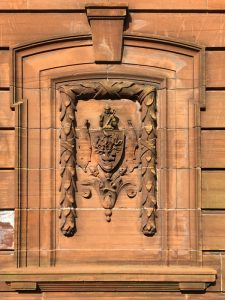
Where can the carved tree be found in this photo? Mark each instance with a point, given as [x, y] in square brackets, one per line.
[146, 96]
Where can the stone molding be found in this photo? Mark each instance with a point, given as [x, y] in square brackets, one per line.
[100, 277]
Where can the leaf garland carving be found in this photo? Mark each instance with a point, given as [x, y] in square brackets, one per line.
[148, 162]
[67, 161]
[107, 89]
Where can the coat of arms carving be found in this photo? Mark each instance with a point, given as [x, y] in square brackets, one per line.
[107, 145]
[108, 153]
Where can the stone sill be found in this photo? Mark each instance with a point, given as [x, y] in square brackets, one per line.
[102, 277]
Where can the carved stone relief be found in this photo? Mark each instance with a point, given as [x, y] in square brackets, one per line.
[108, 145]
[109, 153]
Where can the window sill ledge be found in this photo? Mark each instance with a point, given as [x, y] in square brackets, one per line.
[109, 277]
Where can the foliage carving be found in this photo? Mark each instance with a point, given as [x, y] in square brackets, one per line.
[115, 157]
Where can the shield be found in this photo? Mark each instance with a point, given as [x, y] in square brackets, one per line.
[109, 147]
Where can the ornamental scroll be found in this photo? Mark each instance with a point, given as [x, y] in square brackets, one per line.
[118, 151]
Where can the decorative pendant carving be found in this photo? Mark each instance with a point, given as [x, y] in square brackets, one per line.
[117, 152]
[108, 144]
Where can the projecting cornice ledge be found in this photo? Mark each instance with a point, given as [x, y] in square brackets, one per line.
[94, 277]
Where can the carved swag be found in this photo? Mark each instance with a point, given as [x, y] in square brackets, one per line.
[118, 152]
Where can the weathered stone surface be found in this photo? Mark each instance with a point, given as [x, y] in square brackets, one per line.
[5, 68]
[213, 116]
[213, 236]
[7, 116]
[213, 189]
[215, 69]
[212, 149]
[8, 149]
[7, 189]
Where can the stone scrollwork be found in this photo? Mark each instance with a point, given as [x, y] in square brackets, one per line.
[118, 151]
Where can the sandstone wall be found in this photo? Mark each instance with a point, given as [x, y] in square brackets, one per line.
[200, 22]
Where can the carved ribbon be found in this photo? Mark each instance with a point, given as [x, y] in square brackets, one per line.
[106, 89]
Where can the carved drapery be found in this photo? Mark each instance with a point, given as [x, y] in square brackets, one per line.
[145, 159]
